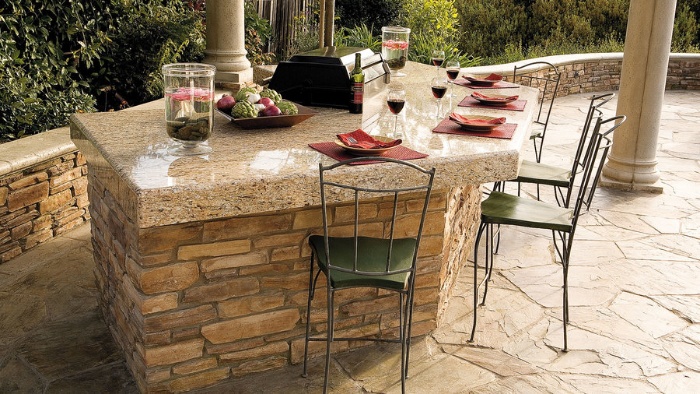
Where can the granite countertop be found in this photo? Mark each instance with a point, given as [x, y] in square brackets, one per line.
[266, 170]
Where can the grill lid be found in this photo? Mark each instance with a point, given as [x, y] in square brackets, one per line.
[322, 77]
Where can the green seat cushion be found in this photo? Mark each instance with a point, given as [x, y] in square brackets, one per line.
[372, 257]
[533, 172]
[503, 208]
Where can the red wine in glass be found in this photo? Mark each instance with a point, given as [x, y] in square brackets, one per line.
[396, 100]
[438, 86]
[439, 91]
[395, 105]
[437, 57]
[452, 68]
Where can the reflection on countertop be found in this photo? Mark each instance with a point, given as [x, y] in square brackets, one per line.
[248, 163]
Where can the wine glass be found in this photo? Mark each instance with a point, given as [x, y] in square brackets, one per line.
[452, 68]
[437, 58]
[396, 101]
[439, 88]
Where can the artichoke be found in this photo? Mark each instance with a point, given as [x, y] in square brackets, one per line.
[243, 93]
[271, 94]
[244, 109]
[287, 107]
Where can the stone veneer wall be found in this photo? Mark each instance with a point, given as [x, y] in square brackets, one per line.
[600, 72]
[581, 73]
[41, 198]
[193, 304]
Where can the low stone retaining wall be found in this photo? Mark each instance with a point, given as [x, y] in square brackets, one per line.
[43, 191]
[43, 182]
[600, 72]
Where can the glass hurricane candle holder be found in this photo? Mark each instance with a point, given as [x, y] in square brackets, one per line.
[395, 48]
[189, 106]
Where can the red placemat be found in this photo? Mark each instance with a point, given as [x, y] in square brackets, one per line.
[469, 101]
[449, 127]
[497, 85]
[335, 151]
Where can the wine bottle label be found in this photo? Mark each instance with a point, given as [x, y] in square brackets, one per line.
[358, 89]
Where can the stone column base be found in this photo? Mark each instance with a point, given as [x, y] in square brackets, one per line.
[234, 77]
[607, 182]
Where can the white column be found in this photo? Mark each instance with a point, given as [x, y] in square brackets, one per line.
[226, 41]
[632, 161]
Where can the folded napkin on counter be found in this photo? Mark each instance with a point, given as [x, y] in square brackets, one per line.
[332, 149]
[360, 139]
[494, 98]
[476, 121]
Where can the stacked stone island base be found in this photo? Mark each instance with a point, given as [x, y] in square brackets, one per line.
[202, 262]
[193, 304]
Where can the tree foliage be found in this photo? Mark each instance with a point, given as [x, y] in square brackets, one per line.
[147, 36]
[258, 33]
[372, 13]
[489, 26]
[433, 25]
[686, 31]
[42, 46]
[516, 29]
[57, 57]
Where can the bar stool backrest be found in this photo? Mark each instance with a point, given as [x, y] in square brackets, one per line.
[545, 77]
[593, 161]
[594, 112]
[415, 181]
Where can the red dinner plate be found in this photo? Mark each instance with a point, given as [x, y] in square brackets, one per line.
[477, 122]
[368, 152]
[488, 81]
[494, 99]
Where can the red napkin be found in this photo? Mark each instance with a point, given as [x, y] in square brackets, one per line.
[360, 139]
[492, 98]
[463, 119]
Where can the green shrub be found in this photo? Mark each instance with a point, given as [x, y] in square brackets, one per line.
[258, 33]
[686, 32]
[149, 36]
[56, 57]
[358, 36]
[420, 48]
[490, 27]
[372, 13]
[504, 28]
[515, 53]
[434, 25]
[42, 46]
[582, 22]
[422, 45]
[305, 37]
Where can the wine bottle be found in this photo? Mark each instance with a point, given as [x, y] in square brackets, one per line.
[357, 86]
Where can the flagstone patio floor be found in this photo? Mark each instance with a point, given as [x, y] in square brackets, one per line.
[634, 296]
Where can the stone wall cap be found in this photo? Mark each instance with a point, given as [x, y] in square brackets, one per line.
[558, 60]
[562, 60]
[26, 152]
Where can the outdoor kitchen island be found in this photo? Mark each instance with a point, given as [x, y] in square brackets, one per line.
[202, 262]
